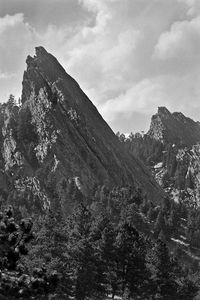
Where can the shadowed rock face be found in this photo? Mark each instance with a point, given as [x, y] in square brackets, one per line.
[62, 137]
[174, 128]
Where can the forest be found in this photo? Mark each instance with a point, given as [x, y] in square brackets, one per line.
[114, 247]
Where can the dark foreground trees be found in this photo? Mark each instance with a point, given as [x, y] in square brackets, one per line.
[115, 259]
[93, 256]
[14, 281]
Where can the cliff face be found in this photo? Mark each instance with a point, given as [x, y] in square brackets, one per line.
[57, 137]
[174, 128]
[171, 149]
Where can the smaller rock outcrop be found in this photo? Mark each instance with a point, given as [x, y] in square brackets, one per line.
[171, 149]
[174, 128]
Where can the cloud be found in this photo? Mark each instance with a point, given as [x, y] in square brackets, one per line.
[140, 97]
[193, 7]
[100, 56]
[17, 39]
[181, 41]
[129, 56]
[40, 14]
[113, 59]
[15, 36]
[10, 22]
[7, 75]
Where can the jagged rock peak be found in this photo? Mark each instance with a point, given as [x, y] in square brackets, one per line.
[40, 51]
[163, 111]
[174, 128]
[43, 71]
[41, 58]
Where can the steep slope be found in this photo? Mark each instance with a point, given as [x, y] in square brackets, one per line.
[57, 137]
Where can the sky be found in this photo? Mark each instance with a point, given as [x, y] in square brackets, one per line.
[129, 56]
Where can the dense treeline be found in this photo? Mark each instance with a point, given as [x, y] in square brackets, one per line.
[15, 282]
[143, 146]
[98, 252]
[96, 258]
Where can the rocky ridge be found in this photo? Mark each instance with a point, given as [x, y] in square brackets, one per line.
[174, 128]
[171, 150]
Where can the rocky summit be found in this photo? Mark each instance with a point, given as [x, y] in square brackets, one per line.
[174, 128]
[56, 140]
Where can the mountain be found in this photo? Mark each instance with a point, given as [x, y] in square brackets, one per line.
[171, 150]
[57, 143]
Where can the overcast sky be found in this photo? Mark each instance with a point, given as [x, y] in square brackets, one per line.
[129, 56]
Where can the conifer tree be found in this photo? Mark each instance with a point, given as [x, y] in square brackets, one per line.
[11, 101]
[50, 248]
[131, 260]
[14, 281]
[85, 258]
[104, 235]
[164, 285]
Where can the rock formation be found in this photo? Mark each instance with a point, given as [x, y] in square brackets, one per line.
[171, 149]
[57, 140]
[174, 128]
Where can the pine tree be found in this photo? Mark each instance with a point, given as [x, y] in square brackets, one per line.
[11, 102]
[131, 260]
[50, 248]
[164, 285]
[14, 281]
[84, 255]
[187, 289]
[105, 234]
